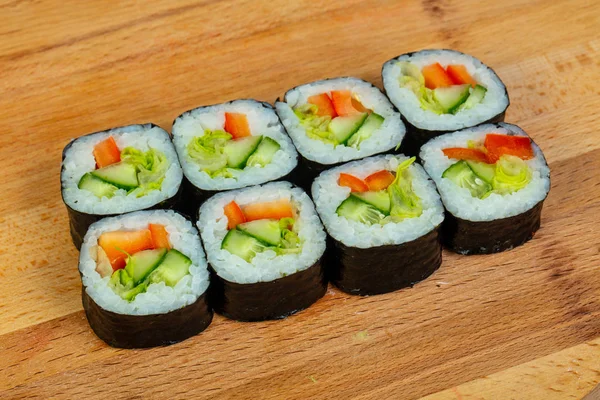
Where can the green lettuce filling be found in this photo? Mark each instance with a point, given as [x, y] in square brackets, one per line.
[316, 126]
[290, 242]
[207, 152]
[404, 202]
[151, 167]
[512, 174]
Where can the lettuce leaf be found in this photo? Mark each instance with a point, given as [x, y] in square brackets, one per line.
[151, 167]
[405, 203]
[315, 125]
[512, 174]
[207, 150]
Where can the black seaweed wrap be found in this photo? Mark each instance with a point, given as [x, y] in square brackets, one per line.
[485, 237]
[383, 269]
[268, 300]
[79, 222]
[139, 331]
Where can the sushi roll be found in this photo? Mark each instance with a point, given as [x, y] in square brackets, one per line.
[383, 217]
[230, 146]
[264, 245]
[335, 121]
[120, 170]
[144, 279]
[440, 91]
[493, 180]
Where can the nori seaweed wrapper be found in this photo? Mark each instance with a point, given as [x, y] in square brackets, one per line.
[193, 196]
[383, 269]
[267, 300]
[415, 137]
[485, 237]
[140, 331]
[79, 222]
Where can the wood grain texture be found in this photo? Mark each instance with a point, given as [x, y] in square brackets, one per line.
[69, 68]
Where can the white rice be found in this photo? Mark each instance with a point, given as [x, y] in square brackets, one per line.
[387, 137]
[262, 120]
[265, 266]
[328, 195]
[459, 201]
[494, 102]
[158, 298]
[79, 160]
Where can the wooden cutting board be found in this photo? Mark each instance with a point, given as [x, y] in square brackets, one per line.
[520, 324]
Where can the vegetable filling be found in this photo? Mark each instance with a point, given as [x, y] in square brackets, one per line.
[259, 227]
[134, 260]
[495, 166]
[381, 197]
[130, 169]
[338, 118]
[443, 91]
[228, 152]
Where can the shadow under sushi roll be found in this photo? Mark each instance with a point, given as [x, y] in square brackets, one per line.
[265, 246]
[89, 195]
[157, 295]
[380, 239]
[441, 91]
[493, 180]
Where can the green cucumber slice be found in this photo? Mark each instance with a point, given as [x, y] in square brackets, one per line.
[342, 128]
[371, 124]
[357, 210]
[264, 152]
[238, 151]
[241, 244]
[487, 172]
[475, 98]
[122, 174]
[171, 269]
[379, 200]
[142, 263]
[451, 97]
[462, 175]
[97, 186]
[265, 230]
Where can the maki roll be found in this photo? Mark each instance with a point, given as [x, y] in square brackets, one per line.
[493, 180]
[264, 246]
[144, 279]
[120, 170]
[338, 120]
[383, 216]
[440, 91]
[230, 146]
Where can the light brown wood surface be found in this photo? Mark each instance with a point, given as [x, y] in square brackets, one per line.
[520, 324]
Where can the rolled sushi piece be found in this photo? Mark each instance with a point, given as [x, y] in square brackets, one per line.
[230, 146]
[145, 278]
[338, 120]
[264, 246]
[383, 217]
[493, 180]
[440, 91]
[120, 170]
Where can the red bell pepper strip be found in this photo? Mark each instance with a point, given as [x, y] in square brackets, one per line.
[324, 105]
[379, 180]
[355, 184]
[435, 76]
